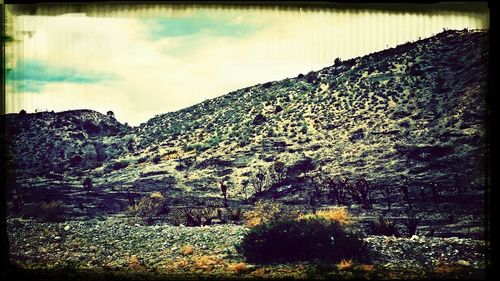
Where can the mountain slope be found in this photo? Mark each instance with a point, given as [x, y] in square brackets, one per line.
[414, 114]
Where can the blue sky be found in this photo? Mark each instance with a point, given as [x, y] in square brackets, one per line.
[31, 75]
[142, 63]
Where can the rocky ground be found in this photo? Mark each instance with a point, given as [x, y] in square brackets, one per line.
[115, 244]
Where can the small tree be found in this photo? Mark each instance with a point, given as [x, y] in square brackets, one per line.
[22, 113]
[337, 62]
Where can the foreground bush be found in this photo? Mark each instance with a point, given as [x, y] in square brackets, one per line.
[301, 240]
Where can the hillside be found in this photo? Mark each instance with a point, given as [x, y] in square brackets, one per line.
[411, 115]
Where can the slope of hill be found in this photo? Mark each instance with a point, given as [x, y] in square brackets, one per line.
[411, 115]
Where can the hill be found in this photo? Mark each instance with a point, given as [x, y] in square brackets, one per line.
[411, 115]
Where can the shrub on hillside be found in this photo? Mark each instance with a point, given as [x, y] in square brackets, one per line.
[301, 240]
[51, 211]
[383, 227]
[149, 207]
[265, 211]
[156, 159]
[259, 119]
[120, 164]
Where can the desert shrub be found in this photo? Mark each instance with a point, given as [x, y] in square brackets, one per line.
[91, 128]
[337, 214]
[142, 159]
[156, 159]
[22, 113]
[75, 160]
[267, 211]
[120, 164]
[149, 207]
[190, 216]
[356, 135]
[311, 77]
[259, 119]
[383, 227]
[52, 211]
[301, 240]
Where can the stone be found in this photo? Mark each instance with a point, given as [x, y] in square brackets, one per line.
[66, 228]
[463, 263]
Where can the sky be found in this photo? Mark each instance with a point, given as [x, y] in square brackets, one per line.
[143, 62]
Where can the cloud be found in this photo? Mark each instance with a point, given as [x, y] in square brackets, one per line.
[32, 75]
[140, 66]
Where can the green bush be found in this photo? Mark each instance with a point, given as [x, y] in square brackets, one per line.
[301, 240]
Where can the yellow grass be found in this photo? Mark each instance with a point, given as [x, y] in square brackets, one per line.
[367, 267]
[338, 214]
[344, 265]
[156, 195]
[133, 262]
[239, 267]
[187, 250]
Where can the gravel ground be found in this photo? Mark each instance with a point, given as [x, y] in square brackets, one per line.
[111, 242]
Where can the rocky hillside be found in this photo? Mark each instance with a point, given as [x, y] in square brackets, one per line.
[414, 114]
[47, 143]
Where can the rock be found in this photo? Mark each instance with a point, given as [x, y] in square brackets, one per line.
[66, 228]
[137, 225]
[463, 263]
[57, 238]
[414, 238]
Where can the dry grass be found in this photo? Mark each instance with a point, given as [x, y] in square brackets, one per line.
[187, 250]
[260, 272]
[156, 195]
[367, 267]
[345, 265]
[447, 268]
[239, 267]
[208, 263]
[263, 212]
[337, 214]
[133, 262]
